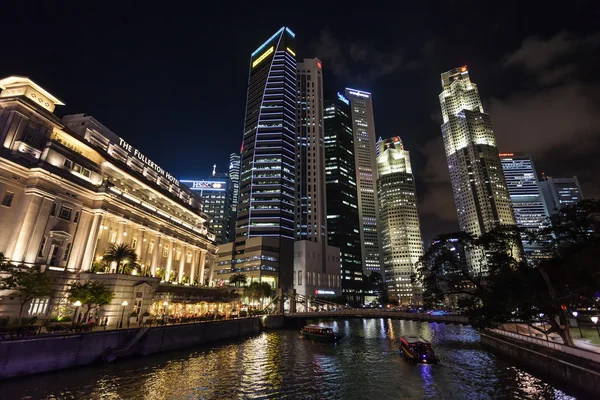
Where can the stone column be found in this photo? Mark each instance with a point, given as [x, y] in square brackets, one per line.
[139, 246]
[201, 267]
[181, 264]
[155, 254]
[120, 237]
[92, 242]
[169, 261]
[193, 266]
[23, 227]
[39, 230]
[79, 241]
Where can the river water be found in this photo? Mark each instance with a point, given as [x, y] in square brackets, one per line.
[365, 364]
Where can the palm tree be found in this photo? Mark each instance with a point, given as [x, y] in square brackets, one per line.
[121, 254]
[237, 279]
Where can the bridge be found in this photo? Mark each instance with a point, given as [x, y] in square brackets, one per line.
[380, 313]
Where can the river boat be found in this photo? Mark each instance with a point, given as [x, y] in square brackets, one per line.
[320, 333]
[417, 349]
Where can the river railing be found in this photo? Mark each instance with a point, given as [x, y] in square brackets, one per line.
[449, 319]
[574, 351]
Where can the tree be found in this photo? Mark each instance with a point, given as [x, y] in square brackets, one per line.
[258, 291]
[123, 255]
[238, 279]
[29, 283]
[513, 288]
[91, 294]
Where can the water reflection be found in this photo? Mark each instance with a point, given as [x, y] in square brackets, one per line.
[365, 365]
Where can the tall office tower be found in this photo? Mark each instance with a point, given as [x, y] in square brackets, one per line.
[215, 194]
[267, 181]
[480, 193]
[342, 203]
[560, 192]
[234, 184]
[525, 196]
[401, 243]
[311, 215]
[363, 126]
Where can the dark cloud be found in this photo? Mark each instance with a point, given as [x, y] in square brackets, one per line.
[536, 53]
[345, 58]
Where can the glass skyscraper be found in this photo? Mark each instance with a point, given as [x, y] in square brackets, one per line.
[525, 195]
[560, 192]
[401, 243]
[342, 202]
[234, 183]
[480, 193]
[267, 181]
[363, 126]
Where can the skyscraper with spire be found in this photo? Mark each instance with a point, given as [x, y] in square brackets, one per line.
[480, 192]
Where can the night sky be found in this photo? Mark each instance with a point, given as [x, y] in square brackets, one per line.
[171, 79]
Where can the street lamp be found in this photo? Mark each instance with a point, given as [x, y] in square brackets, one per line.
[595, 321]
[124, 304]
[575, 314]
[77, 304]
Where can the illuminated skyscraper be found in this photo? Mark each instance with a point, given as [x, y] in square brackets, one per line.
[363, 126]
[234, 183]
[525, 195]
[560, 192]
[343, 228]
[267, 181]
[311, 215]
[480, 193]
[215, 193]
[401, 243]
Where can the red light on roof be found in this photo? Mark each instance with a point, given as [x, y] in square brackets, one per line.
[319, 64]
[463, 69]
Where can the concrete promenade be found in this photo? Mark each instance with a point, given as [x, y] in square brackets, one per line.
[382, 313]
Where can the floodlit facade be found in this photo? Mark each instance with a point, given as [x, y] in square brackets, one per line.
[267, 181]
[216, 194]
[71, 188]
[363, 126]
[234, 181]
[525, 196]
[401, 242]
[343, 227]
[560, 192]
[480, 192]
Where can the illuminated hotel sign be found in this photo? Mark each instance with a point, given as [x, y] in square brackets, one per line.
[506, 154]
[262, 57]
[137, 154]
[342, 98]
[359, 94]
[318, 291]
[206, 185]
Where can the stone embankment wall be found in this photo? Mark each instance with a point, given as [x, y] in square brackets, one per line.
[575, 371]
[50, 353]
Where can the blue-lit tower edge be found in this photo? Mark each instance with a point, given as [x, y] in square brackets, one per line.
[272, 143]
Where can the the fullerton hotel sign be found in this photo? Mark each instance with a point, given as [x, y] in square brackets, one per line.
[137, 154]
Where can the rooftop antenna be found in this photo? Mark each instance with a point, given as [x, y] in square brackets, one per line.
[214, 169]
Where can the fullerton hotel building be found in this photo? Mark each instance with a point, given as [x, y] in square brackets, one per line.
[70, 188]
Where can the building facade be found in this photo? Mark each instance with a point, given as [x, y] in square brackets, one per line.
[216, 194]
[480, 192]
[365, 142]
[525, 196]
[71, 189]
[314, 278]
[401, 242]
[343, 227]
[268, 163]
[234, 181]
[560, 192]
